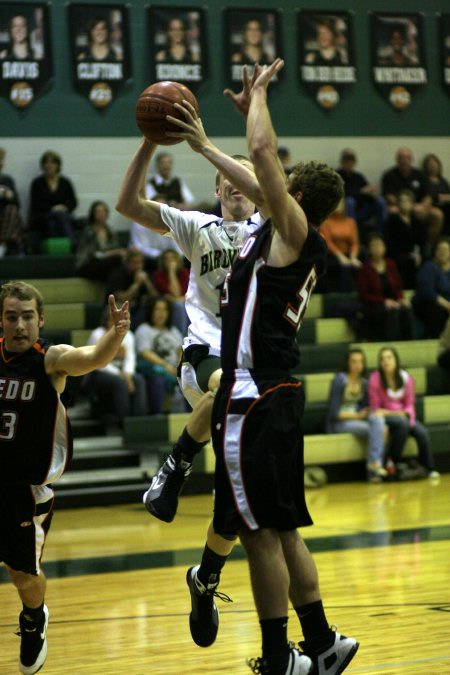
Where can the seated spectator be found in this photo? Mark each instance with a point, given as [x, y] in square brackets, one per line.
[361, 200]
[404, 176]
[406, 239]
[444, 347]
[52, 201]
[12, 231]
[387, 313]
[151, 244]
[118, 390]
[98, 251]
[392, 396]
[431, 300]
[166, 187]
[284, 155]
[171, 280]
[341, 234]
[349, 412]
[158, 346]
[437, 186]
[131, 282]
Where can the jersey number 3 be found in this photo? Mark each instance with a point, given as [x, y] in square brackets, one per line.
[295, 314]
[8, 423]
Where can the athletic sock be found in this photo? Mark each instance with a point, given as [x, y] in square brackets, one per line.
[33, 615]
[275, 648]
[186, 448]
[316, 630]
[210, 567]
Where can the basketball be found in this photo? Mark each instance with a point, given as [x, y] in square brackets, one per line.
[155, 102]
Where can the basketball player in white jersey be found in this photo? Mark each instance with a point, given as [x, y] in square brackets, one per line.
[211, 244]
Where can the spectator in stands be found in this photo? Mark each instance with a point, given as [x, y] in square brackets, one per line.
[158, 346]
[404, 176]
[171, 280]
[361, 199]
[52, 201]
[437, 186]
[284, 155]
[406, 239]
[349, 412]
[392, 396]
[98, 251]
[150, 244]
[387, 313]
[341, 235]
[444, 347]
[12, 232]
[431, 300]
[131, 282]
[166, 187]
[118, 390]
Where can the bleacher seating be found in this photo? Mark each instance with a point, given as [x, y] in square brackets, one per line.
[72, 309]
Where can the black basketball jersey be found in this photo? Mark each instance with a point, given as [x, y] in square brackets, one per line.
[263, 306]
[35, 436]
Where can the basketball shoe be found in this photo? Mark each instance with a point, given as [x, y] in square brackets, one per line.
[161, 498]
[204, 616]
[33, 643]
[298, 664]
[334, 658]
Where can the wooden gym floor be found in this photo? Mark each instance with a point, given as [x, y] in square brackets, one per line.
[119, 603]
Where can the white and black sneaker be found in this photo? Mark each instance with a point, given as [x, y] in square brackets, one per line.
[161, 498]
[334, 658]
[204, 616]
[33, 643]
[298, 664]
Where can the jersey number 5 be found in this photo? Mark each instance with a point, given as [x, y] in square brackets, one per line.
[295, 314]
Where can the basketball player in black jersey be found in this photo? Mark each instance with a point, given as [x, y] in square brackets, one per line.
[258, 411]
[36, 444]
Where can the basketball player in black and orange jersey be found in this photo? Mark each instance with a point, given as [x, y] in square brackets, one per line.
[257, 416]
[36, 444]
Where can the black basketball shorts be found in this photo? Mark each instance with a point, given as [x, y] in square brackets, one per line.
[258, 440]
[25, 515]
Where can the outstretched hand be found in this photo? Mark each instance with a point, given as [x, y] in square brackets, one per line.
[191, 128]
[120, 317]
[266, 74]
[241, 100]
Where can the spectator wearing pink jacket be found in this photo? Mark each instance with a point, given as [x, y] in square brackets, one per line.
[392, 396]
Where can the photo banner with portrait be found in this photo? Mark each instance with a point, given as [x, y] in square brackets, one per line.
[178, 45]
[326, 55]
[99, 40]
[251, 36]
[398, 56]
[445, 50]
[26, 61]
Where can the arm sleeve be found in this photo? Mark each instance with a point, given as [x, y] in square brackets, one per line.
[374, 390]
[334, 402]
[410, 397]
[184, 226]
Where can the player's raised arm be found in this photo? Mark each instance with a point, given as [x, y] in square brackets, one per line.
[132, 201]
[64, 360]
[287, 215]
[191, 130]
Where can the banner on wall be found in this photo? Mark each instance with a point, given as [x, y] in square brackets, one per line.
[251, 36]
[178, 44]
[398, 62]
[100, 51]
[25, 52]
[445, 50]
[326, 55]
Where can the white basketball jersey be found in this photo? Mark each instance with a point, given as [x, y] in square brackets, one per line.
[210, 244]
